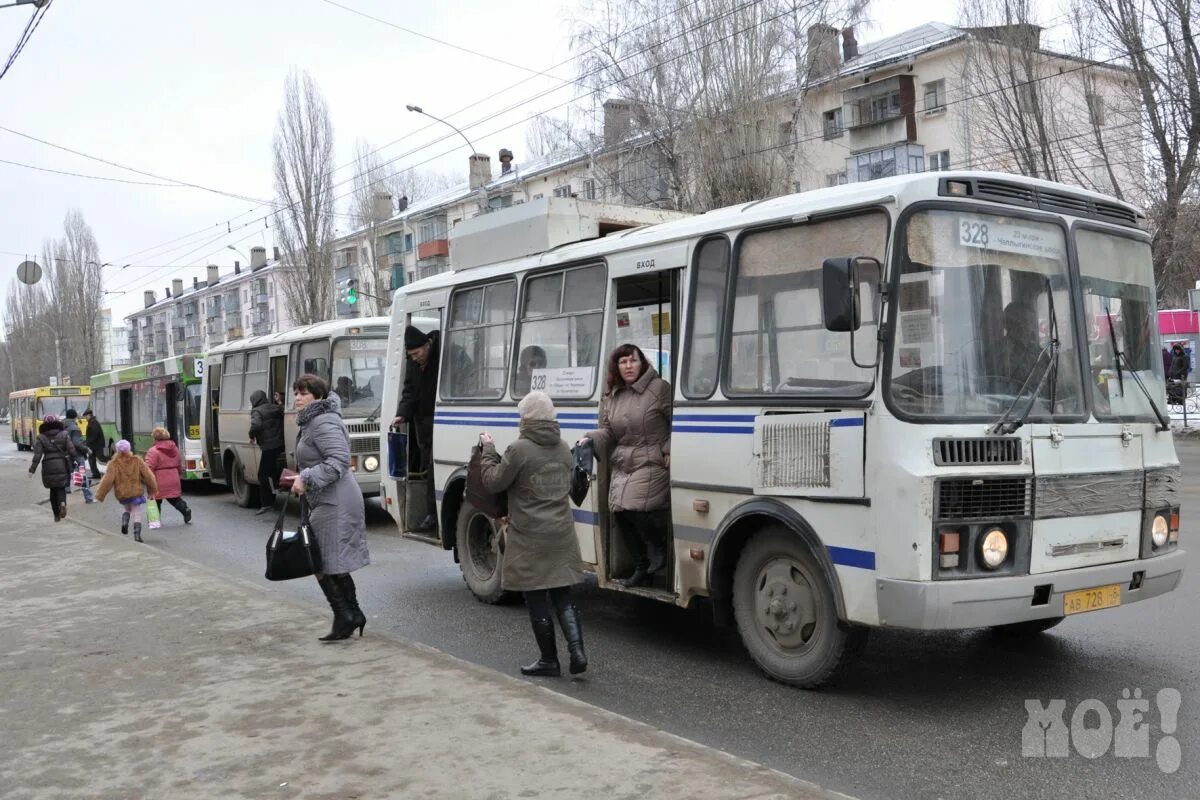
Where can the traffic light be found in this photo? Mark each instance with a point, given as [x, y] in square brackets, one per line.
[348, 291]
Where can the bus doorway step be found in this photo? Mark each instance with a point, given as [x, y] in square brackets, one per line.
[644, 591]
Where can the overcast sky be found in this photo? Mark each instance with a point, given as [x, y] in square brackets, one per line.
[190, 92]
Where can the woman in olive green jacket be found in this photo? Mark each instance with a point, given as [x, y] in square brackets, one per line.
[541, 552]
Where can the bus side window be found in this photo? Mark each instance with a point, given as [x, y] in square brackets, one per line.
[562, 319]
[707, 324]
[231, 381]
[475, 351]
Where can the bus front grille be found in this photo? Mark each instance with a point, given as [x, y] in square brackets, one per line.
[982, 498]
[364, 446]
[976, 451]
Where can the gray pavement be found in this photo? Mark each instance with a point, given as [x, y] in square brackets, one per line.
[129, 672]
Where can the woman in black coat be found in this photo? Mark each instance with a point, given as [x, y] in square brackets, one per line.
[53, 449]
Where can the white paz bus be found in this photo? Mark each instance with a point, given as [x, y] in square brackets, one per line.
[930, 402]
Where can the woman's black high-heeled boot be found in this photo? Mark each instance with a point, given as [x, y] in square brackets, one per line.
[547, 665]
[351, 593]
[344, 621]
[568, 620]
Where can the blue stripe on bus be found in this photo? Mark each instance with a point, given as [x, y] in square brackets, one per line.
[715, 417]
[586, 517]
[708, 429]
[849, 557]
[583, 425]
[847, 422]
[505, 414]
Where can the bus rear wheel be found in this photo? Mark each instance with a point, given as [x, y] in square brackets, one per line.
[243, 493]
[786, 612]
[479, 556]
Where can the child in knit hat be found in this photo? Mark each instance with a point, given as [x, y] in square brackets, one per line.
[131, 481]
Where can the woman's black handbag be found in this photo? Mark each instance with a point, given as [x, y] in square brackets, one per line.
[493, 504]
[292, 554]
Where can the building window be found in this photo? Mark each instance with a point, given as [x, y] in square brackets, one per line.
[537, 196]
[433, 229]
[939, 161]
[589, 189]
[563, 191]
[903, 159]
[935, 95]
[1095, 106]
[831, 123]
[785, 133]
[836, 178]
[408, 243]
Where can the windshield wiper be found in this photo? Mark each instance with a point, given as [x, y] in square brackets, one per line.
[1118, 357]
[1005, 427]
[374, 415]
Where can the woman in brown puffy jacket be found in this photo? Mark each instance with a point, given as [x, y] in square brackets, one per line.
[635, 432]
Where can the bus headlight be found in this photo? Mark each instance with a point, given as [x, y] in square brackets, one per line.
[993, 548]
[1159, 530]
[370, 463]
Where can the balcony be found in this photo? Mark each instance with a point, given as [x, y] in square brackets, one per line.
[234, 333]
[261, 328]
[432, 248]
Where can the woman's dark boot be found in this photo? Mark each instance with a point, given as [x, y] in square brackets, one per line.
[657, 553]
[125, 524]
[547, 665]
[137, 531]
[636, 546]
[568, 620]
[344, 621]
[351, 593]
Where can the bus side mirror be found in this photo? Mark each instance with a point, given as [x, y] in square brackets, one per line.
[839, 294]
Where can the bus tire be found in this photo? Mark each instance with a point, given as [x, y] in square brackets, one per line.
[477, 538]
[243, 495]
[786, 612]
[1028, 628]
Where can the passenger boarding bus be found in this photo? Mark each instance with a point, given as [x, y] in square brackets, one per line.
[931, 402]
[348, 353]
[27, 408]
[130, 402]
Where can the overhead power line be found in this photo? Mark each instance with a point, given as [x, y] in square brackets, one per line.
[30, 28]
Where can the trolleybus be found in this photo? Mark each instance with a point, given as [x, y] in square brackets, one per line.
[932, 401]
[130, 402]
[27, 407]
[348, 353]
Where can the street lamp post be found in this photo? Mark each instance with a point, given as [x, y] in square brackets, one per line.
[482, 191]
[34, 3]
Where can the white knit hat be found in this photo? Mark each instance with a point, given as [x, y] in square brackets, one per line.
[537, 406]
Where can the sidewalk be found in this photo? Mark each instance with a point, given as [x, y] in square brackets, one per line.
[127, 673]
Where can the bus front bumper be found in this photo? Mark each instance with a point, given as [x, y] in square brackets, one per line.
[983, 602]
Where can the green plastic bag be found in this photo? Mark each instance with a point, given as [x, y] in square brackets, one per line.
[152, 514]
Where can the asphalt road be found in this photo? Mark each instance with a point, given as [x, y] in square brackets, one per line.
[917, 716]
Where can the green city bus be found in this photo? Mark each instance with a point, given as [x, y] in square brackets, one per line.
[131, 401]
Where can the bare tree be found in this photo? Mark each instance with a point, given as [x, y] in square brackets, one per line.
[303, 155]
[1157, 39]
[714, 88]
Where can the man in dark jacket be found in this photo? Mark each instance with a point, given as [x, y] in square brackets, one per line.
[1180, 364]
[417, 400]
[266, 430]
[94, 438]
[71, 425]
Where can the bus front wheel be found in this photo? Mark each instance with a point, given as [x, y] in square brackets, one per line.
[478, 543]
[243, 494]
[786, 612]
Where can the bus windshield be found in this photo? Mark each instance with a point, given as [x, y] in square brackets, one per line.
[1117, 278]
[357, 374]
[58, 405]
[982, 297]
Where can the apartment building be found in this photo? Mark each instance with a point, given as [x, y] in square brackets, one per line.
[194, 319]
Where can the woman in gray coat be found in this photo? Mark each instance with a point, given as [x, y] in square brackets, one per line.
[335, 503]
[541, 552]
[635, 433]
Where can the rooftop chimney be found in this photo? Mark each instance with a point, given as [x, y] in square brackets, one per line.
[237, 268]
[276, 252]
[195, 282]
[148, 296]
[214, 274]
[849, 44]
[481, 170]
[381, 206]
[618, 120]
[402, 203]
[506, 158]
[822, 53]
[177, 287]
[258, 258]
[167, 290]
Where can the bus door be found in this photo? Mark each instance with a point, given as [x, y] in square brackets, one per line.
[277, 381]
[125, 418]
[212, 441]
[174, 397]
[644, 315]
[415, 505]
